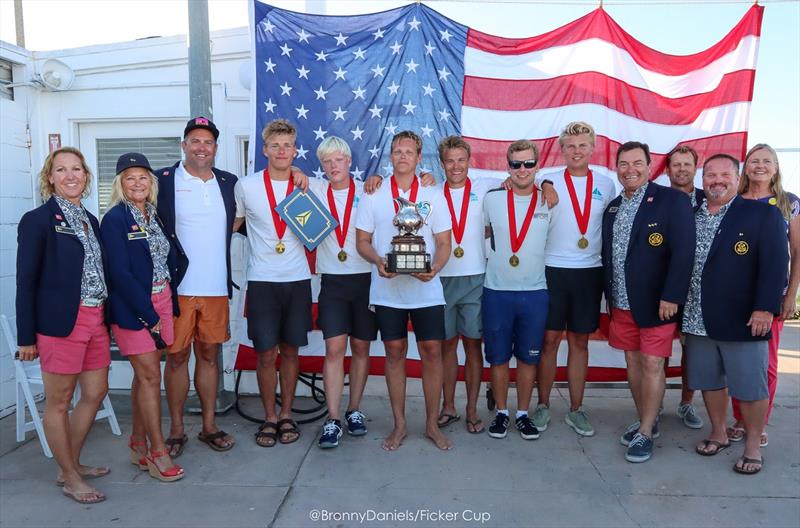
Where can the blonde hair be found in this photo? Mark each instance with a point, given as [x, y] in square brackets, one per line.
[118, 195]
[781, 197]
[47, 189]
[576, 128]
[333, 145]
[276, 127]
[453, 142]
[522, 145]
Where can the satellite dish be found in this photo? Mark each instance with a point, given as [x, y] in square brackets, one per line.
[56, 76]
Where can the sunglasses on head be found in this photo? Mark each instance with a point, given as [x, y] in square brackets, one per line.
[517, 164]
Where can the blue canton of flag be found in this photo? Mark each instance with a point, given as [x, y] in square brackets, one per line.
[362, 78]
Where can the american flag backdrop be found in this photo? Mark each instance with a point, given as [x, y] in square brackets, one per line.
[365, 77]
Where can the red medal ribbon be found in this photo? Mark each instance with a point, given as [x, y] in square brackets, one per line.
[518, 239]
[280, 225]
[341, 229]
[581, 218]
[396, 193]
[458, 225]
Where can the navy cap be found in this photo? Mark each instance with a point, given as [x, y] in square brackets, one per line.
[132, 159]
[201, 122]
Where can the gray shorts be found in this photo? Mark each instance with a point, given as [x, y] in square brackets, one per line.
[741, 366]
[462, 311]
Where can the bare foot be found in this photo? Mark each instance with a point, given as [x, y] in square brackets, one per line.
[395, 439]
[438, 438]
[81, 492]
[87, 472]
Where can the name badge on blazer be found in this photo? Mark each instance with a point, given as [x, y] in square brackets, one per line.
[137, 235]
[65, 230]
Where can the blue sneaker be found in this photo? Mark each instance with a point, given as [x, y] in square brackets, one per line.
[331, 433]
[356, 425]
[633, 429]
[640, 449]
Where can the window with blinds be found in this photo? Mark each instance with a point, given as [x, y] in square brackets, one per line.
[161, 152]
[6, 78]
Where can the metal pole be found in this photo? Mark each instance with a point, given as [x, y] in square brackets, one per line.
[200, 105]
[19, 24]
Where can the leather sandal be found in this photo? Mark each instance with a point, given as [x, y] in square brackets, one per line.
[271, 436]
[138, 459]
[170, 475]
[291, 430]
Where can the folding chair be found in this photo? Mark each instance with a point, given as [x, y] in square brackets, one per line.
[29, 373]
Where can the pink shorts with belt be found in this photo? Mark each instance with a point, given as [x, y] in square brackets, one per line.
[86, 348]
[625, 334]
[135, 342]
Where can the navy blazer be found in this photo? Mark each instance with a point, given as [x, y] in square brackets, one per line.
[130, 270]
[166, 211]
[49, 273]
[660, 256]
[745, 270]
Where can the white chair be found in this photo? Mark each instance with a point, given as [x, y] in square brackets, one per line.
[29, 373]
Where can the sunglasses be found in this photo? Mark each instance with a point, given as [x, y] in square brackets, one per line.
[517, 164]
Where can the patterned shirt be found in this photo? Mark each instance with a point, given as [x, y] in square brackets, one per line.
[159, 245]
[93, 282]
[706, 225]
[693, 198]
[623, 223]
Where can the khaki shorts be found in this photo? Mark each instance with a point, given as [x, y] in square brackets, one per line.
[203, 319]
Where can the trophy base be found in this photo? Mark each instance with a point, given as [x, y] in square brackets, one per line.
[408, 255]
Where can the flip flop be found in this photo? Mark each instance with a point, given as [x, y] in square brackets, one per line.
[764, 440]
[85, 497]
[735, 434]
[95, 472]
[172, 442]
[708, 442]
[745, 460]
[210, 438]
[450, 418]
[475, 424]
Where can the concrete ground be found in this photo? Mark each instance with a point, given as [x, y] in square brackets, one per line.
[559, 480]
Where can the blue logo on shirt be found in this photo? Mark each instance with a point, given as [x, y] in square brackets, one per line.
[596, 194]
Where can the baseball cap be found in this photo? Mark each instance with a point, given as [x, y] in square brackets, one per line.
[132, 159]
[201, 122]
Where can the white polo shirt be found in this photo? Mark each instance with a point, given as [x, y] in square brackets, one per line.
[473, 262]
[529, 274]
[200, 223]
[562, 249]
[328, 250]
[264, 264]
[375, 214]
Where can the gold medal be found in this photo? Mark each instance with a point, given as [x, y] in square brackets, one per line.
[342, 255]
[583, 243]
[514, 261]
[458, 252]
[280, 247]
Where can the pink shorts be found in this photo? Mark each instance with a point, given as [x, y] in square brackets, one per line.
[86, 348]
[625, 334]
[134, 342]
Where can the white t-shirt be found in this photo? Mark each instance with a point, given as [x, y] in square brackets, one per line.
[264, 263]
[375, 214]
[473, 262]
[328, 250]
[529, 274]
[562, 249]
[200, 223]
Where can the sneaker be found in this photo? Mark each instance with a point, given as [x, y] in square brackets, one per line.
[355, 423]
[640, 449]
[499, 426]
[331, 433]
[633, 429]
[526, 429]
[579, 421]
[541, 417]
[687, 413]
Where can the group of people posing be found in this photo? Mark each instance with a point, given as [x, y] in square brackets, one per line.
[516, 267]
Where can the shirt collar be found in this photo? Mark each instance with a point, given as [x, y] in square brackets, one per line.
[636, 194]
[184, 174]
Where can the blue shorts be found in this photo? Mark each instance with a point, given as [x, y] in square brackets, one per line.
[513, 324]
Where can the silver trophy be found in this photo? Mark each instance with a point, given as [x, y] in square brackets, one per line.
[408, 248]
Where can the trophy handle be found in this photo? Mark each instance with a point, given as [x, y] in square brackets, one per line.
[424, 207]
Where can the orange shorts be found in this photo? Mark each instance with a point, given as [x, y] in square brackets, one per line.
[625, 334]
[203, 319]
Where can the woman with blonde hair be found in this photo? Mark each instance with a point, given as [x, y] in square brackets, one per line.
[142, 262]
[61, 291]
[761, 180]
